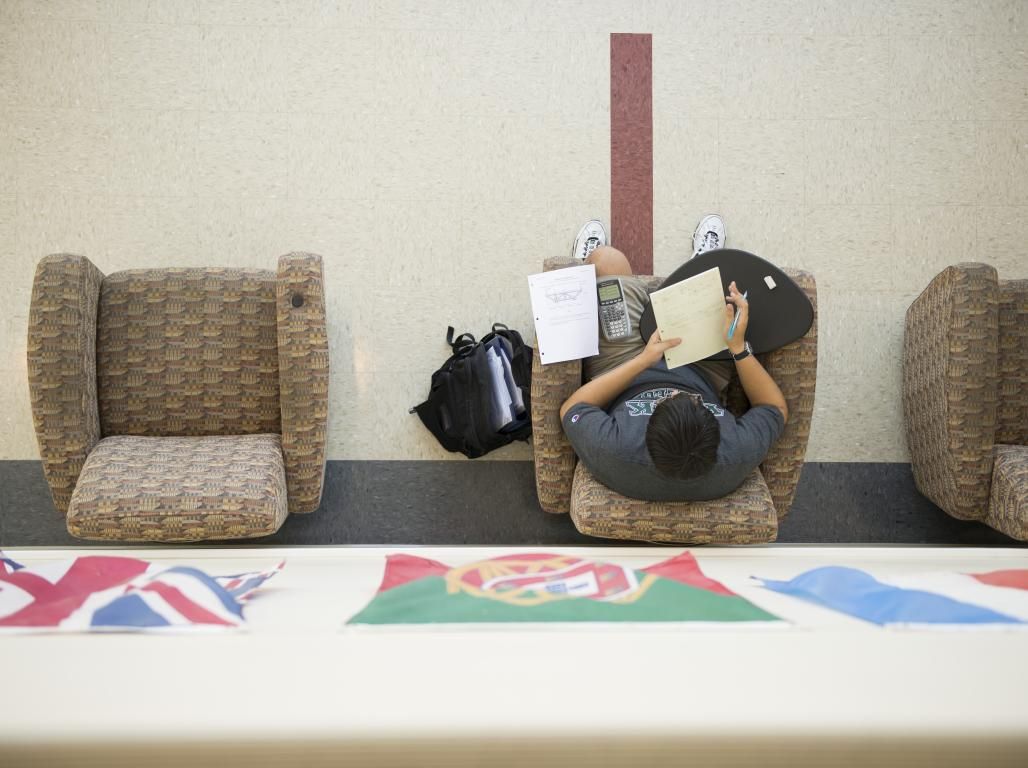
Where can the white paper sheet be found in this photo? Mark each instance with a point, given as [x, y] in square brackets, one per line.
[565, 310]
[693, 310]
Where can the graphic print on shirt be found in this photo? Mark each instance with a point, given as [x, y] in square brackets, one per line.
[644, 403]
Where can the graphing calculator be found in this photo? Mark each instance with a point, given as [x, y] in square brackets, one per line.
[613, 310]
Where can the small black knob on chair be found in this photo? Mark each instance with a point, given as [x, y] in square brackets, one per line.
[297, 300]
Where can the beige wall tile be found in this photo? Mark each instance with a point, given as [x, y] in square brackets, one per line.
[520, 158]
[849, 247]
[152, 232]
[61, 150]
[154, 11]
[932, 17]
[673, 226]
[688, 74]
[13, 342]
[1003, 239]
[331, 156]
[845, 17]
[418, 15]
[9, 154]
[1003, 160]
[8, 221]
[9, 95]
[536, 73]
[244, 154]
[774, 231]
[370, 419]
[415, 159]
[685, 159]
[762, 161]
[933, 162]
[19, 441]
[246, 68]
[1001, 17]
[59, 64]
[155, 66]
[847, 161]
[767, 76]
[154, 153]
[858, 413]
[329, 70]
[755, 17]
[849, 78]
[257, 12]
[52, 10]
[246, 232]
[60, 222]
[932, 78]
[928, 238]
[1001, 71]
[422, 71]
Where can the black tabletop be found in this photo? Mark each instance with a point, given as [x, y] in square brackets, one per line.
[780, 311]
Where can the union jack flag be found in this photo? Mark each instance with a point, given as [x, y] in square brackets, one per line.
[92, 593]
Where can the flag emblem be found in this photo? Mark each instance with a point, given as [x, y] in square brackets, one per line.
[545, 587]
[95, 593]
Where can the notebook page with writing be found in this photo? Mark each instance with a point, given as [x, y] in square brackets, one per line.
[694, 310]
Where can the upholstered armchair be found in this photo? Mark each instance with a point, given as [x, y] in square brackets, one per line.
[179, 404]
[965, 395]
[749, 515]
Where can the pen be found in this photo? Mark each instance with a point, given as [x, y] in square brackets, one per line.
[735, 320]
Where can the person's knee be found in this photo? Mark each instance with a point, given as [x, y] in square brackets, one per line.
[609, 261]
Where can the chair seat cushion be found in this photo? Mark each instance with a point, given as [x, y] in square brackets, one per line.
[745, 516]
[180, 489]
[1008, 505]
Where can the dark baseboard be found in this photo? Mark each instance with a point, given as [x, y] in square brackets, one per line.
[493, 502]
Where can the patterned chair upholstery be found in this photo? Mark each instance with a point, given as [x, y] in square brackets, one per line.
[749, 515]
[179, 404]
[965, 395]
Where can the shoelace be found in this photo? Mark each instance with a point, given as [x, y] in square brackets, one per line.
[591, 244]
[710, 241]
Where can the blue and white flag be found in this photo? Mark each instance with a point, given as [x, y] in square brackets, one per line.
[101, 593]
[1000, 597]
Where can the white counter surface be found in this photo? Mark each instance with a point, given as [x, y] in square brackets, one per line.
[298, 686]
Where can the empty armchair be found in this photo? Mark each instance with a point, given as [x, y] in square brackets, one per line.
[965, 395]
[179, 404]
[749, 515]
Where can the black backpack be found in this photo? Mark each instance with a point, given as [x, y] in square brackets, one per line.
[458, 408]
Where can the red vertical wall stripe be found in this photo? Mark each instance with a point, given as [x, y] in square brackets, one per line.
[631, 148]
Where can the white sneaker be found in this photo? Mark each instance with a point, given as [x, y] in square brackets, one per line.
[590, 237]
[709, 234]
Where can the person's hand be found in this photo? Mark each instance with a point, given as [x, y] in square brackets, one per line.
[736, 303]
[655, 348]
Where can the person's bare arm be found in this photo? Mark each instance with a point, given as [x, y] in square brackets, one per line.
[603, 389]
[757, 383]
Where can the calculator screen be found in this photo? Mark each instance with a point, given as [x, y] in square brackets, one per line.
[609, 291]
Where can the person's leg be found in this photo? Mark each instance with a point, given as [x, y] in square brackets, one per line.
[610, 262]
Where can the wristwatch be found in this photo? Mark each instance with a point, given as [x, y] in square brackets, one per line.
[746, 352]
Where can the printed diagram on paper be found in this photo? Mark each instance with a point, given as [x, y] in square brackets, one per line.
[564, 308]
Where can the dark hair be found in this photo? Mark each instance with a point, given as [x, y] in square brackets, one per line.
[682, 438]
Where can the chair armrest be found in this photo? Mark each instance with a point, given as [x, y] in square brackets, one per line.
[554, 457]
[950, 346]
[62, 368]
[1012, 408]
[794, 369]
[303, 376]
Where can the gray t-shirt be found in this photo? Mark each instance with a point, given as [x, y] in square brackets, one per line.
[613, 443]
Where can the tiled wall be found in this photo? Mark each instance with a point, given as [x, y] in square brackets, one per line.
[436, 151]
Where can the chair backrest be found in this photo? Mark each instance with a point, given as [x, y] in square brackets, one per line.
[189, 351]
[1012, 363]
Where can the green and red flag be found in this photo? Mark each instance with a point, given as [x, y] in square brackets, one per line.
[543, 587]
